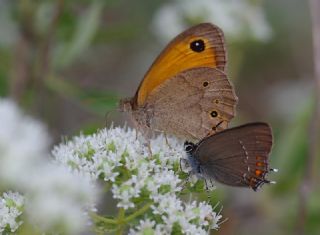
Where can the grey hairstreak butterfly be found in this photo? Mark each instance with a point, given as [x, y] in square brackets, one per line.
[237, 156]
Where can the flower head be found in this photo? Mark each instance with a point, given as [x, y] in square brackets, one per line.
[60, 192]
[55, 196]
[23, 143]
[137, 179]
[11, 207]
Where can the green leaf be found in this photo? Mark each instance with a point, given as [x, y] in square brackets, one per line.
[291, 148]
[86, 28]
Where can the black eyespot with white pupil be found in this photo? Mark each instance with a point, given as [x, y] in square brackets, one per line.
[214, 114]
[197, 45]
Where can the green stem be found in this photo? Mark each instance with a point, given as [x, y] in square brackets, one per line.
[96, 217]
[121, 221]
[107, 187]
[138, 212]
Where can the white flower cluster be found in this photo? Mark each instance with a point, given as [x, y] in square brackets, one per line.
[55, 197]
[23, 143]
[11, 207]
[202, 212]
[118, 157]
[58, 197]
[58, 193]
[239, 19]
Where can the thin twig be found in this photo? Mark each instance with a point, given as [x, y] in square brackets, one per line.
[315, 128]
[19, 76]
[21, 66]
[45, 44]
[41, 70]
[314, 134]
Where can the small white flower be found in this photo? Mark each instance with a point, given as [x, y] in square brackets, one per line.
[11, 207]
[145, 227]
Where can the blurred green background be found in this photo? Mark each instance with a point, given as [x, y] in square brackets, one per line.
[68, 63]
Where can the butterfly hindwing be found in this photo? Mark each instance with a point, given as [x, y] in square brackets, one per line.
[237, 156]
[193, 104]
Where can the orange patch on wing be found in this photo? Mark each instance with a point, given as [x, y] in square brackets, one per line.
[260, 164]
[259, 158]
[258, 172]
[176, 58]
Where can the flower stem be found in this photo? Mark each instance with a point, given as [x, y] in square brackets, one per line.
[96, 217]
[121, 221]
[138, 212]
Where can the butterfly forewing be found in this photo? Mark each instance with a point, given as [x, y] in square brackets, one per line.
[199, 46]
[237, 156]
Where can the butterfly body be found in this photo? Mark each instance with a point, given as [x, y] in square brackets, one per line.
[196, 168]
[237, 157]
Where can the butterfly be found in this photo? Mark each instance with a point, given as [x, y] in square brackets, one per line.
[186, 91]
[237, 156]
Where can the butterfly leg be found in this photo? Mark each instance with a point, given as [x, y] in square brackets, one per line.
[136, 134]
[183, 162]
[167, 141]
[206, 183]
[211, 184]
[207, 189]
[148, 144]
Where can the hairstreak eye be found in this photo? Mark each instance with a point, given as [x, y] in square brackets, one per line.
[188, 147]
[197, 45]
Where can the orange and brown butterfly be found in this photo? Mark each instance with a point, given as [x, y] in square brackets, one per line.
[186, 91]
